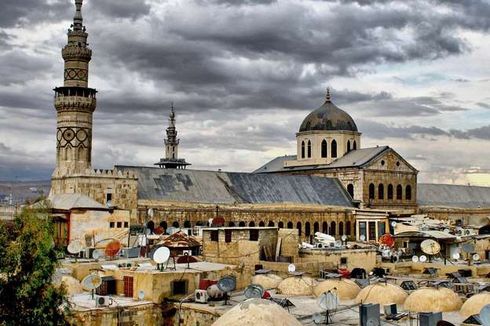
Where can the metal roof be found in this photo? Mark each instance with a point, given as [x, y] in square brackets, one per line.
[441, 195]
[69, 201]
[328, 117]
[215, 187]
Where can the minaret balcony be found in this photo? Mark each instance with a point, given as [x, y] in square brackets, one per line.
[75, 103]
[74, 53]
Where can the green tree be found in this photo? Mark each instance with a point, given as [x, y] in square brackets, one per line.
[27, 264]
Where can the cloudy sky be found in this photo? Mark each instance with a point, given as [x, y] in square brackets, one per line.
[415, 75]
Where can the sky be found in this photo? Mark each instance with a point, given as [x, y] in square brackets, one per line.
[414, 75]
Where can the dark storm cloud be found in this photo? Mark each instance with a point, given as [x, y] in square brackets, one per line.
[31, 12]
[121, 9]
[484, 105]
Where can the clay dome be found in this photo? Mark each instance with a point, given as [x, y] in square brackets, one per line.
[297, 286]
[71, 284]
[328, 117]
[257, 312]
[345, 289]
[433, 300]
[382, 293]
[267, 281]
[473, 305]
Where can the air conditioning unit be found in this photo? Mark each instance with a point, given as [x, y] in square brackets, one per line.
[103, 301]
[188, 252]
[201, 296]
[429, 318]
[369, 315]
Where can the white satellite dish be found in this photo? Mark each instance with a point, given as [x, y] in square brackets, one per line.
[97, 253]
[475, 257]
[362, 237]
[291, 268]
[141, 294]
[344, 237]
[430, 247]
[415, 259]
[393, 224]
[74, 247]
[328, 301]
[161, 255]
[423, 258]
[456, 256]
[91, 282]
[150, 212]
[485, 315]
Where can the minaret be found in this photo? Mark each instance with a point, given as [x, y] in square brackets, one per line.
[171, 159]
[75, 103]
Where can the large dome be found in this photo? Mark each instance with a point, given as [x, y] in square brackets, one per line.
[328, 117]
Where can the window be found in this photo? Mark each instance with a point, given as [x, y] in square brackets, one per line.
[350, 189]
[227, 235]
[382, 162]
[309, 149]
[333, 229]
[325, 227]
[298, 226]
[333, 150]
[371, 191]
[354, 145]
[316, 227]
[251, 224]
[280, 225]
[187, 224]
[347, 228]
[381, 191]
[111, 225]
[302, 149]
[214, 235]
[307, 229]
[119, 225]
[231, 224]
[390, 192]
[271, 223]
[163, 224]
[408, 193]
[381, 228]
[348, 146]
[261, 223]
[290, 225]
[341, 228]
[179, 287]
[126, 224]
[108, 198]
[362, 229]
[372, 231]
[343, 260]
[399, 192]
[241, 224]
[324, 148]
[254, 235]
[175, 224]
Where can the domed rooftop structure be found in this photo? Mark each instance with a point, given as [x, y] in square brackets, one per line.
[328, 117]
[382, 293]
[345, 289]
[268, 281]
[474, 305]
[433, 300]
[297, 286]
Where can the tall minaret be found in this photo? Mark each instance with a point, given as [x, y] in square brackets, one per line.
[171, 159]
[75, 103]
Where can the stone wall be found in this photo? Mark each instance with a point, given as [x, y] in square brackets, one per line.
[468, 216]
[144, 314]
[360, 258]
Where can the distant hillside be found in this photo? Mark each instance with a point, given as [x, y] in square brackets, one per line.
[23, 190]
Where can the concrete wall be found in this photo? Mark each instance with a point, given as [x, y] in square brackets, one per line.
[361, 258]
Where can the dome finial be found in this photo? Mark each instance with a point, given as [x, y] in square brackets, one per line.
[328, 98]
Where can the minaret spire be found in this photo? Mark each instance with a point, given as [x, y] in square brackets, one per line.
[78, 19]
[328, 97]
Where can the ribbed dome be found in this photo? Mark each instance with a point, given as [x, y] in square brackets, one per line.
[328, 117]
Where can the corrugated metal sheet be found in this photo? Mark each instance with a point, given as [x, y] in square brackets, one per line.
[225, 187]
[69, 201]
[453, 196]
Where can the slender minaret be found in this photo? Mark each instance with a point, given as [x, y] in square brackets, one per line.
[75, 103]
[171, 159]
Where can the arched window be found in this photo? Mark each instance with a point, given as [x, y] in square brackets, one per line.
[324, 148]
[280, 225]
[307, 229]
[371, 191]
[381, 191]
[298, 226]
[187, 224]
[309, 149]
[347, 228]
[175, 224]
[261, 223]
[252, 224]
[348, 146]
[151, 226]
[408, 193]
[390, 192]
[350, 189]
[163, 224]
[316, 227]
[341, 228]
[271, 223]
[333, 229]
[399, 190]
[354, 145]
[241, 224]
[325, 227]
[302, 149]
[290, 225]
[231, 224]
[333, 150]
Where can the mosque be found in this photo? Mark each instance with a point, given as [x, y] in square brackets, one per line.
[329, 185]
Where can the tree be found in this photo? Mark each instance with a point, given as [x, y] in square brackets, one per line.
[27, 264]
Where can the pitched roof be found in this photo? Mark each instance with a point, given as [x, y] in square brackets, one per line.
[180, 240]
[453, 196]
[214, 187]
[69, 201]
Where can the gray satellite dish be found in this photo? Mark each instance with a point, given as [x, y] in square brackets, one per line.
[91, 282]
[75, 247]
[485, 315]
[141, 294]
[254, 291]
[328, 301]
[318, 318]
[430, 247]
[161, 255]
[227, 284]
[97, 253]
[468, 247]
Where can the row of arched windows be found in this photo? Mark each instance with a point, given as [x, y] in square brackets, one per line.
[389, 192]
[306, 148]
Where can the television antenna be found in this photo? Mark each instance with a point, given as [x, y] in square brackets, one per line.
[91, 282]
[161, 256]
[226, 284]
[328, 302]
[254, 291]
[485, 315]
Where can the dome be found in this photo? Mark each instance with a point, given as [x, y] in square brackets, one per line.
[433, 300]
[328, 117]
[474, 305]
[346, 289]
[297, 286]
[257, 312]
[71, 284]
[268, 281]
[382, 293]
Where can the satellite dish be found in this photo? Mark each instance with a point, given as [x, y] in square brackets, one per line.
[476, 257]
[227, 284]
[415, 259]
[362, 237]
[430, 247]
[112, 248]
[328, 301]
[150, 212]
[393, 224]
[485, 315]
[97, 253]
[387, 239]
[141, 294]
[254, 291]
[456, 256]
[291, 268]
[161, 255]
[75, 247]
[423, 258]
[91, 282]
[468, 247]
[344, 237]
[318, 318]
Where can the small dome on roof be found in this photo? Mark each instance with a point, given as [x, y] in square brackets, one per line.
[382, 293]
[297, 286]
[474, 305]
[328, 117]
[267, 281]
[433, 300]
[344, 288]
